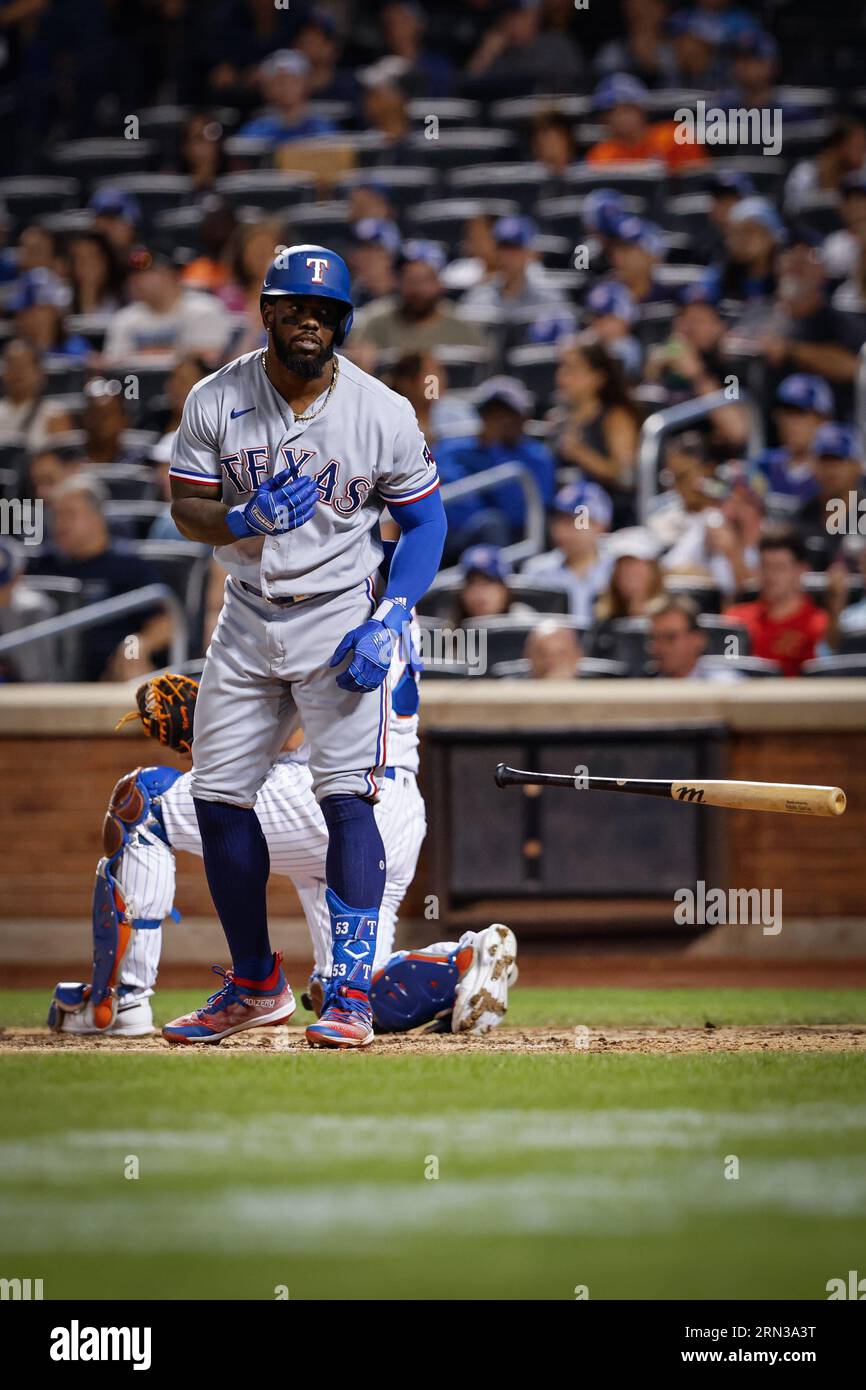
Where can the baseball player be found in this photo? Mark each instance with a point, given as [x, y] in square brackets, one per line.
[284, 460]
[461, 986]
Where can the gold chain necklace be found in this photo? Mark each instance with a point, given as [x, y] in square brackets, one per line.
[303, 419]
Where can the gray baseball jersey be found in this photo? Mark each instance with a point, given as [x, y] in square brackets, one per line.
[364, 450]
[268, 663]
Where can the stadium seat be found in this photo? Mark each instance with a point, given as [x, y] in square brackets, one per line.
[645, 180]
[819, 211]
[448, 110]
[544, 598]
[719, 631]
[535, 365]
[126, 482]
[443, 219]
[521, 183]
[623, 640]
[64, 375]
[406, 185]
[133, 519]
[767, 172]
[703, 592]
[98, 159]
[29, 198]
[827, 666]
[753, 667]
[184, 567]
[325, 223]
[458, 147]
[93, 327]
[505, 636]
[271, 189]
[156, 193]
[852, 643]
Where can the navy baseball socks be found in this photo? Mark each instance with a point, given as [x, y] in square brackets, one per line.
[237, 865]
[355, 869]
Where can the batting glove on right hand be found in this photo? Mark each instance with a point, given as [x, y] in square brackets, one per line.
[280, 504]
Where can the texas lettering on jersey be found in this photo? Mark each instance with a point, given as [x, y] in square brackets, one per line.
[247, 469]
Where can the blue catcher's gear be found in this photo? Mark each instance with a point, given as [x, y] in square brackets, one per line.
[415, 988]
[280, 504]
[134, 809]
[312, 270]
[451, 987]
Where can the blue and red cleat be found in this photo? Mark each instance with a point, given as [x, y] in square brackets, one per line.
[237, 1005]
[346, 1020]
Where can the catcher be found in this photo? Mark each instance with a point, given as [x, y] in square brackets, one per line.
[449, 986]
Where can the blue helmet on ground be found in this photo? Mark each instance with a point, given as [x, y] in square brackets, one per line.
[311, 270]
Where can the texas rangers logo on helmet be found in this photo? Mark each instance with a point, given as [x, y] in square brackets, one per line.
[320, 265]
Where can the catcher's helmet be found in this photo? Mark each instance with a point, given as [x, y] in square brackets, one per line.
[312, 270]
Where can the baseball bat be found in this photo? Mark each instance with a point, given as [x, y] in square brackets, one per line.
[797, 800]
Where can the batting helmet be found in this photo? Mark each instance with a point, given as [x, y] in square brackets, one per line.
[312, 270]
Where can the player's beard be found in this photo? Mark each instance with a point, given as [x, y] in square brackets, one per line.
[306, 365]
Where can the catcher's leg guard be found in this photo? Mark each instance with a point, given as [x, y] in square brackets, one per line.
[113, 935]
[450, 987]
[418, 987]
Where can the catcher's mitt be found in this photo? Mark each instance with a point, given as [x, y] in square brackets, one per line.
[165, 708]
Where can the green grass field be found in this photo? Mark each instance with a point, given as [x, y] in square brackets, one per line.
[314, 1171]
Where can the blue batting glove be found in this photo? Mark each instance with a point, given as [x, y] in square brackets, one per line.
[372, 647]
[279, 504]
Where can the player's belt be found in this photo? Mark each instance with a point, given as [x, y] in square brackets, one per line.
[391, 773]
[278, 602]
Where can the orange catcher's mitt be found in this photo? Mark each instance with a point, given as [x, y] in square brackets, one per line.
[165, 708]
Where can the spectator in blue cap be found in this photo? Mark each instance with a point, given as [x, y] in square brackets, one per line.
[695, 41]
[40, 301]
[372, 258]
[517, 291]
[284, 78]
[116, 215]
[504, 405]
[610, 313]
[835, 511]
[578, 518]
[754, 232]
[803, 403]
[635, 251]
[621, 101]
[483, 592]
[417, 317]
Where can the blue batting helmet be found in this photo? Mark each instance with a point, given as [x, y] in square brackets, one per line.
[312, 270]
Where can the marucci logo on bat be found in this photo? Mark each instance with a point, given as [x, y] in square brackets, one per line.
[690, 794]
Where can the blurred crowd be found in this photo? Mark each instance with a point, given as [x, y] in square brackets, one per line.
[540, 263]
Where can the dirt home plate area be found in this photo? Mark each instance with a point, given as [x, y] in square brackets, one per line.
[529, 1041]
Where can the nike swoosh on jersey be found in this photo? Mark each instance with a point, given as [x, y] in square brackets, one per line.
[237, 413]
